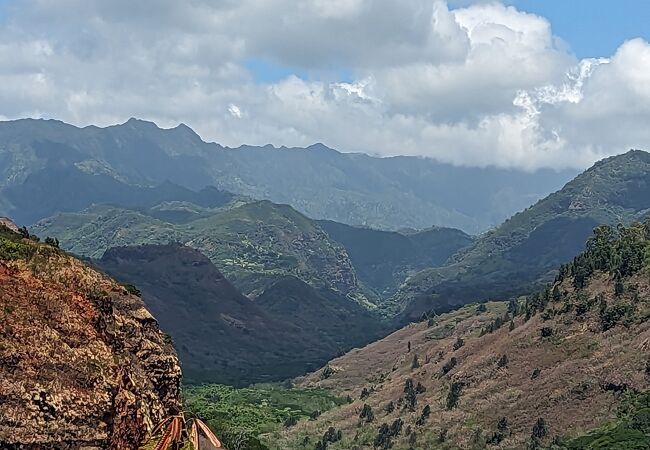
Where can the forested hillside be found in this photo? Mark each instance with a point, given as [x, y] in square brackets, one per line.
[526, 249]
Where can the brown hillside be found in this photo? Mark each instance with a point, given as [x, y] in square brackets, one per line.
[573, 379]
[82, 362]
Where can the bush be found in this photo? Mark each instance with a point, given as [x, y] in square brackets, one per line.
[327, 372]
[546, 332]
[459, 343]
[503, 361]
[449, 365]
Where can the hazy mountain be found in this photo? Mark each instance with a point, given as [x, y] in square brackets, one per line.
[223, 336]
[574, 355]
[384, 259]
[528, 247]
[318, 181]
[80, 357]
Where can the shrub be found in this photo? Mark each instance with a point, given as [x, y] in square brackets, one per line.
[327, 372]
[546, 332]
[449, 365]
[459, 343]
[503, 361]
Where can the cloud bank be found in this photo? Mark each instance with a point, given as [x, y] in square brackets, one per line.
[482, 84]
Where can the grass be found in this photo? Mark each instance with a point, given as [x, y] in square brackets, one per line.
[630, 432]
[240, 415]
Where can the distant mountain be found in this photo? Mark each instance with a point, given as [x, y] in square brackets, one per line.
[389, 193]
[528, 247]
[83, 364]
[384, 259]
[69, 189]
[252, 244]
[565, 368]
[223, 336]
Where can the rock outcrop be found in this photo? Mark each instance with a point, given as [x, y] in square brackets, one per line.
[83, 364]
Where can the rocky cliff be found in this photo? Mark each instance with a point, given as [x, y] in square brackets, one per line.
[83, 364]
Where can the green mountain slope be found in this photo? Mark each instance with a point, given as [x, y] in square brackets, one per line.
[384, 259]
[252, 244]
[357, 189]
[528, 247]
[223, 336]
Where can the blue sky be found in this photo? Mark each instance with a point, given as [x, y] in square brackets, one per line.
[593, 28]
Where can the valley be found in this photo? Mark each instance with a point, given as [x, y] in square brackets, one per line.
[297, 333]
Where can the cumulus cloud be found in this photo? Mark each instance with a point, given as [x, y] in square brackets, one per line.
[470, 82]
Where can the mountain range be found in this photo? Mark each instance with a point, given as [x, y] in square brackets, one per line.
[357, 189]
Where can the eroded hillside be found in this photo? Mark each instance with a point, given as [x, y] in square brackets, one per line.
[571, 359]
[83, 364]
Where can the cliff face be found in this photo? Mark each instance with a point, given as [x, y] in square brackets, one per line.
[83, 364]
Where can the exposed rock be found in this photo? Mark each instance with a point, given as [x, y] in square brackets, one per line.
[7, 222]
[83, 364]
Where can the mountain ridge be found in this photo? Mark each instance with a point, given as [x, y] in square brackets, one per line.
[387, 193]
[526, 249]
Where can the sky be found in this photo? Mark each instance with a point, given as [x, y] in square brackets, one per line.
[511, 83]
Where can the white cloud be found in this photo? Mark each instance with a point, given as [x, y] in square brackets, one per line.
[483, 84]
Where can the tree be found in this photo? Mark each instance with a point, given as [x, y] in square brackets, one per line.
[366, 413]
[52, 242]
[410, 394]
[453, 396]
[557, 295]
[426, 412]
[501, 432]
[459, 343]
[539, 429]
[416, 362]
[503, 361]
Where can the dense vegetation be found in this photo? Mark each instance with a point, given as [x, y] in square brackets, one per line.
[526, 250]
[252, 244]
[241, 416]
